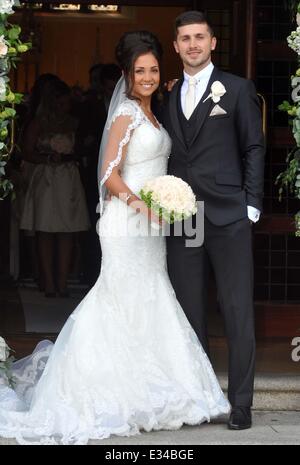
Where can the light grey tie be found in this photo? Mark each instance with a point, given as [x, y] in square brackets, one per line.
[190, 98]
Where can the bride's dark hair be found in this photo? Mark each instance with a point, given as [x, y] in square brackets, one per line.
[130, 47]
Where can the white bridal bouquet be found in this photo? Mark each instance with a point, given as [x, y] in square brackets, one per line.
[6, 361]
[170, 198]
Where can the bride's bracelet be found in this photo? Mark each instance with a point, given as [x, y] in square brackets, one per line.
[129, 197]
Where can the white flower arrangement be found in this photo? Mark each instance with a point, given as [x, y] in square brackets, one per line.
[3, 47]
[6, 7]
[170, 198]
[293, 40]
[217, 91]
[10, 47]
[290, 178]
[2, 89]
[6, 361]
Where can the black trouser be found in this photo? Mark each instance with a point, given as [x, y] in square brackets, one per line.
[229, 250]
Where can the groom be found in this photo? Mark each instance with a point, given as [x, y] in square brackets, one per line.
[214, 121]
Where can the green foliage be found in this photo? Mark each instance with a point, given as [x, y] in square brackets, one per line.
[162, 213]
[289, 179]
[11, 46]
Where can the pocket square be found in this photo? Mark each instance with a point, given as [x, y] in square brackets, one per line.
[217, 110]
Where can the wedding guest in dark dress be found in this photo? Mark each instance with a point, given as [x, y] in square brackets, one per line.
[55, 205]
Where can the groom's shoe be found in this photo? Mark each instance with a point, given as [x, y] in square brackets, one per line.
[240, 418]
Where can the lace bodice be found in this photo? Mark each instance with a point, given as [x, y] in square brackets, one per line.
[148, 148]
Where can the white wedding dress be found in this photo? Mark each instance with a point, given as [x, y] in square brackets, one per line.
[127, 359]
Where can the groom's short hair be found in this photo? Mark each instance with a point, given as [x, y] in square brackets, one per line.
[192, 17]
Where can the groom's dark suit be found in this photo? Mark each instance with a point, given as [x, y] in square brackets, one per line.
[222, 158]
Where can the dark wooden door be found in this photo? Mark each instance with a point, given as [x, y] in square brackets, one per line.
[228, 18]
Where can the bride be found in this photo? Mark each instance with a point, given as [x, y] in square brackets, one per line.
[127, 359]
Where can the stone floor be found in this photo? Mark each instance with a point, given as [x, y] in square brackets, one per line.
[269, 428]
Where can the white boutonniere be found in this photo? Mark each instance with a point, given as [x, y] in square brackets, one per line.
[217, 91]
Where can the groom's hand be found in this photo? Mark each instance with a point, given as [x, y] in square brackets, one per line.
[170, 84]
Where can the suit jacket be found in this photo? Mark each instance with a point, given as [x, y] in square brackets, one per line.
[224, 161]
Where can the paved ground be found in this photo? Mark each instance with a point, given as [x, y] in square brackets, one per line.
[276, 428]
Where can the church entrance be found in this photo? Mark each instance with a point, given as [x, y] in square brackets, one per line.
[74, 42]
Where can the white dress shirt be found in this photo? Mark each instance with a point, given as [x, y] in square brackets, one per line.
[253, 214]
[202, 80]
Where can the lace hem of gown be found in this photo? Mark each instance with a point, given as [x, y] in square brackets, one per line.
[121, 387]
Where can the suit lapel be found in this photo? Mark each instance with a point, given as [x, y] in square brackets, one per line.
[202, 110]
[173, 111]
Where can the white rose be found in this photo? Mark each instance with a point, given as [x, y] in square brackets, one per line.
[173, 194]
[4, 351]
[6, 7]
[295, 81]
[295, 94]
[217, 91]
[2, 89]
[3, 47]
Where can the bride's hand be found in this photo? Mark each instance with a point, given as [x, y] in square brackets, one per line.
[142, 208]
[155, 220]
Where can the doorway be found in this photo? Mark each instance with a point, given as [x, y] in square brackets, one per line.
[67, 44]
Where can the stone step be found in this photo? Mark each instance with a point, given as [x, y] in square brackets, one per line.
[273, 391]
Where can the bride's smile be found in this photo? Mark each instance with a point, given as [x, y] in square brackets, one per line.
[146, 76]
